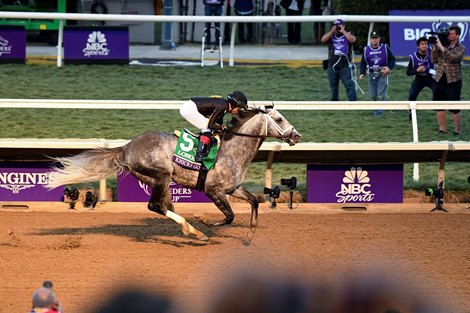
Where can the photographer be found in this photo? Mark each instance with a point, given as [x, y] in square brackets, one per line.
[448, 58]
[379, 59]
[340, 64]
[420, 66]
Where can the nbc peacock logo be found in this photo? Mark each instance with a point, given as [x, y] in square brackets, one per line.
[355, 187]
[96, 45]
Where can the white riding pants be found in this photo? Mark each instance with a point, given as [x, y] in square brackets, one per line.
[190, 113]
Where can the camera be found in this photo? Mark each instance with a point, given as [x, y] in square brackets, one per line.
[274, 192]
[437, 192]
[441, 33]
[90, 200]
[291, 183]
[71, 196]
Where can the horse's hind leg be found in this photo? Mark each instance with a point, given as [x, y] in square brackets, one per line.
[160, 202]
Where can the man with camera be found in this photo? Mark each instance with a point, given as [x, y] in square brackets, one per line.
[340, 65]
[448, 57]
[379, 60]
[421, 67]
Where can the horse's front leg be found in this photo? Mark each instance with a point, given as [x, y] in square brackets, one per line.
[243, 194]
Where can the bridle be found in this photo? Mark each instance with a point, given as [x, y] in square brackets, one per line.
[268, 118]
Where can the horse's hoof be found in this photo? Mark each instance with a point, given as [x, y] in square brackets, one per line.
[202, 237]
[202, 219]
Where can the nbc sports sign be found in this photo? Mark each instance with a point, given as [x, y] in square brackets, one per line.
[355, 184]
[403, 36]
[103, 45]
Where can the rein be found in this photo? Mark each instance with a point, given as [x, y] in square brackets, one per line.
[273, 123]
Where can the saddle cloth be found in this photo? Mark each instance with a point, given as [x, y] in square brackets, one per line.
[186, 148]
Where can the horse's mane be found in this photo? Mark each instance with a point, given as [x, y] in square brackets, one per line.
[239, 119]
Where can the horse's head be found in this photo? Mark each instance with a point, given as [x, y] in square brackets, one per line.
[265, 123]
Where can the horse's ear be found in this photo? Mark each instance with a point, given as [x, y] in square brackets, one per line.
[269, 107]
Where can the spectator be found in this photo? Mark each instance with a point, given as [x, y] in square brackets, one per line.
[132, 301]
[316, 8]
[340, 63]
[448, 58]
[379, 59]
[44, 301]
[244, 8]
[421, 66]
[293, 7]
[213, 8]
[268, 293]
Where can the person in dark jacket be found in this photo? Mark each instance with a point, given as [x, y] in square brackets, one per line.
[293, 7]
[207, 114]
[245, 30]
[421, 67]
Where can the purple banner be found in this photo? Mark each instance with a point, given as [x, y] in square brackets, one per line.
[403, 36]
[108, 45]
[355, 184]
[12, 44]
[26, 181]
[130, 189]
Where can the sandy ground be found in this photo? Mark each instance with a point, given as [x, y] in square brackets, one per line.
[90, 255]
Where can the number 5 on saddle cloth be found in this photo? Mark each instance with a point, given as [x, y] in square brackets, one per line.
[185, 151]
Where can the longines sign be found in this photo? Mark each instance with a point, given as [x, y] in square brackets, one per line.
[26, 182]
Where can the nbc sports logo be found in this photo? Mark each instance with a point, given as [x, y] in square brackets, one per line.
[355, 187]
[96, 45]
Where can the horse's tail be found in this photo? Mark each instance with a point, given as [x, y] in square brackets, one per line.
[87, 166]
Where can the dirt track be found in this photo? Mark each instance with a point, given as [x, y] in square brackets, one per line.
[89, 255]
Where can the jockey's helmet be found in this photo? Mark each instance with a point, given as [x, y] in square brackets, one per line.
[238, 100]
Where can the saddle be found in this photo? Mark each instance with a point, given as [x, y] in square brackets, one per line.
[185, 152]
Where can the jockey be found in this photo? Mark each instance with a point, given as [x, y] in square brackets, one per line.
[207, 114]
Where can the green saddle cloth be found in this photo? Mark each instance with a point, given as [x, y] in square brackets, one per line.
[186, 148]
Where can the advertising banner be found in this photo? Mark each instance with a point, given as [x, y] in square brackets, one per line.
[355, 184]
[130, 189]
[12, 44]
[403, 35]
[96, 45]
[26, 181]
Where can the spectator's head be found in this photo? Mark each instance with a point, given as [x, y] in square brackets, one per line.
[420, 40]
[43, 298]
[338, 22]
[129, 301]
[455, 28]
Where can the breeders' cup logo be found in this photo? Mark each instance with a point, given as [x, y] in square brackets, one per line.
[20, 181]
[355, 187]
[5, 47]
[96, 45]
[177, 192]
[415, 33]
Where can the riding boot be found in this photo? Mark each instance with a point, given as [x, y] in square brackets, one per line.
[201, 152]
[203, 147]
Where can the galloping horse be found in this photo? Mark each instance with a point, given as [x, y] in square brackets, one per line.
[149, 158]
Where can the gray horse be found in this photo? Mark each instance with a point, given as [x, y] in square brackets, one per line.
[149, 158]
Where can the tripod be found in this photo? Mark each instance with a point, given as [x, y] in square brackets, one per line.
[439, 202]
